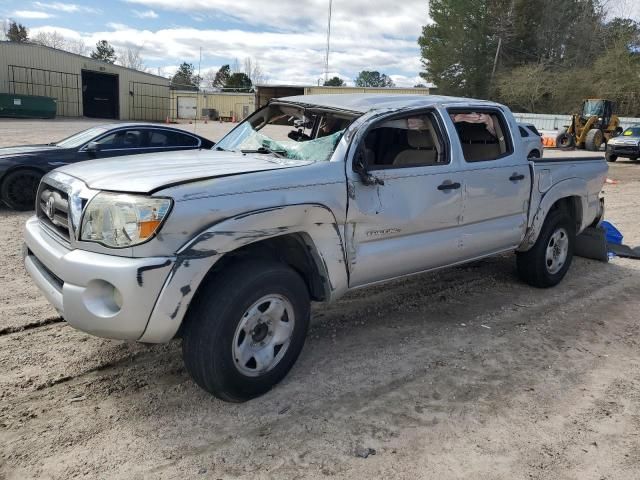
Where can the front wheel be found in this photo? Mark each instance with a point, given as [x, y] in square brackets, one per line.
[594, 140]
[19, 188]
[548, 261]
[610, 157]
[246, 328]
[565, 140]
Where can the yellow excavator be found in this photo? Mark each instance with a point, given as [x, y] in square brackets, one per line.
[596, 125]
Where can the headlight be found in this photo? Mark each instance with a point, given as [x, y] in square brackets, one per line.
[123, 220]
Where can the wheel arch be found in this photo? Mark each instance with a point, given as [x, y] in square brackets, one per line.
[306, 237]
[16, 168]
[570, 196]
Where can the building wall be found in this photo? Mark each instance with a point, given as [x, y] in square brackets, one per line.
[227, 105]
[35, 70]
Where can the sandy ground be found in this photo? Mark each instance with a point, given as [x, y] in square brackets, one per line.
[464, 373]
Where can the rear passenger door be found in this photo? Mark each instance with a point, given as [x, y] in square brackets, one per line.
[411, 222]
[497, 181]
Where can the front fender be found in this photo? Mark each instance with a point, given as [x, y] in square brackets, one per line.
[195, 259]
[570, 188]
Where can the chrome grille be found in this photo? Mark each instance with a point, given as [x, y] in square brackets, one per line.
[53, 209]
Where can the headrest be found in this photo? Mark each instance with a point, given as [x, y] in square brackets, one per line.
[419, 139]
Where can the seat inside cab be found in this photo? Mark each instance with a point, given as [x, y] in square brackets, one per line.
[405, 142]
[481, 136]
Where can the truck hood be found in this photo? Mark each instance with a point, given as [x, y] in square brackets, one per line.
[153, 171]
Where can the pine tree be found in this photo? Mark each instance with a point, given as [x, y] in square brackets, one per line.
[17, 32]
[185, 78]
[104, 51]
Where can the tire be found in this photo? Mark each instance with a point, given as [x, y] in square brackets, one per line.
[565, 140]
[219, 324]
[610, 157]
[594, 140]
[557, 236]
[534, 154]
[19, 188]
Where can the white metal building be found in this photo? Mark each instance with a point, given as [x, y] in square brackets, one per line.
[82, 86]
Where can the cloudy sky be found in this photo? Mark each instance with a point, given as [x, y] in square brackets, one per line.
[286, 37]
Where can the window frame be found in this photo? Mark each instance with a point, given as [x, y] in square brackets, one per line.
[504, 125]
[143, 129]
[436, 121]
[115, 132]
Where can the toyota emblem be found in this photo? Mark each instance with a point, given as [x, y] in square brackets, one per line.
[50, 207]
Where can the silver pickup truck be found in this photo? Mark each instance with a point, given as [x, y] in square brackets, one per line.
[307, 199]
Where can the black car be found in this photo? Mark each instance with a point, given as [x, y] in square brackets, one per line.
[22, 167]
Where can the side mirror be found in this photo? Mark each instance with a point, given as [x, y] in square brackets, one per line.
[93, 147]
[360, 168]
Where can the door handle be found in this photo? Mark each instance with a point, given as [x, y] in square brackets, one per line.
[449, 186]
[516, 177]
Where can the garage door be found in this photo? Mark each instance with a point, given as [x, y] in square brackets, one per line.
[187, 107]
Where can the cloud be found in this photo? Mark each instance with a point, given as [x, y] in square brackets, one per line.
[145, 14]
[66, 7]
[361, 16]
[32, 14]
[286, 39]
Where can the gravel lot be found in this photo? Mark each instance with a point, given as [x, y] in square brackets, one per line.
[463, 373]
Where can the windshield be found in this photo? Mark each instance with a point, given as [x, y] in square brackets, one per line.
[81, 138]
[593, 107]
[632, 132]
[289, 132]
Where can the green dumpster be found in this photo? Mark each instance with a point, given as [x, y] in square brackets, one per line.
[26, 106]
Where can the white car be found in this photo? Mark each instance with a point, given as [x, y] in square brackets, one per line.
[532, 140]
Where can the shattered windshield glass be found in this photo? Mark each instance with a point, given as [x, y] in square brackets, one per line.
[289, 132]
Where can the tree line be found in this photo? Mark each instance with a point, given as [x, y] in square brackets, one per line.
[540, 56]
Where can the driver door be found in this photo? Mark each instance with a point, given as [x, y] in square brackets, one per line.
[411, 222]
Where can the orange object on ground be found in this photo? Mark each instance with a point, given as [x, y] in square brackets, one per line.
[549, 142]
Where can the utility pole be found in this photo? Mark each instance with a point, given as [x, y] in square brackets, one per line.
[326, 58]
[495, 60]
[195, 120]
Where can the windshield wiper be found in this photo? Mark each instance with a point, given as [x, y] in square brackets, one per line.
[263, 149]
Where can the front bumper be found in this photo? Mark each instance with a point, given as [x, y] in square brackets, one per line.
[623, 150]
[105, 295]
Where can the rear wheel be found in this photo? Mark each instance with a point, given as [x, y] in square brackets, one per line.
[19, 188]
[534, 154]
[246, 328]
[594, 140]
[548, 261]
[565, 140]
